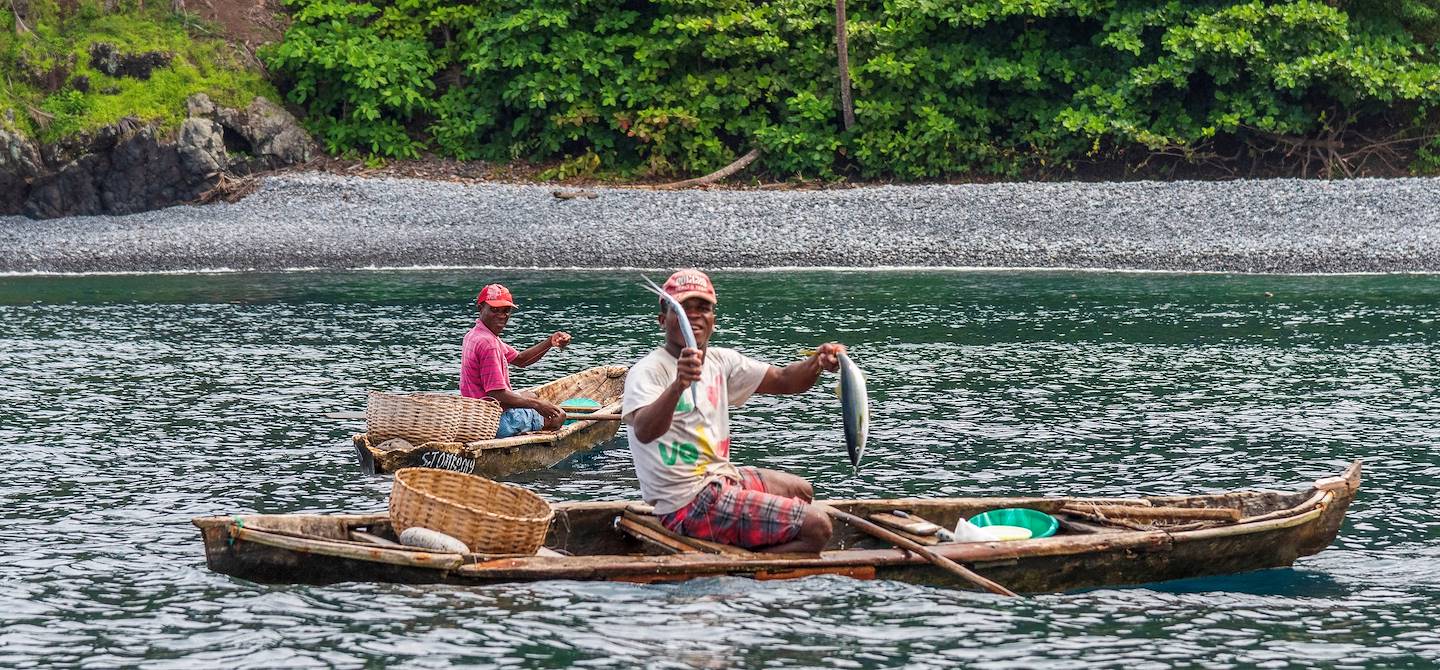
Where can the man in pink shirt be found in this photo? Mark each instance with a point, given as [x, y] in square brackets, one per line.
[485, 366]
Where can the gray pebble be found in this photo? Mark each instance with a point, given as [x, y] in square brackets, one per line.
[317, 220]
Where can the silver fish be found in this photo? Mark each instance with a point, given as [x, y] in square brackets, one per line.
[679, 312]
[854, 407]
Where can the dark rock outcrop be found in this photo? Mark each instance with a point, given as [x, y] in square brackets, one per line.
[264, 132]
[117, 174]
[106, 58]
[20, 163]
[202, 147]
[46, 76]
[129, 167]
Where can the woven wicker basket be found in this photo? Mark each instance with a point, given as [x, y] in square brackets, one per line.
[489, 517]
[430, 417]
[479, 419]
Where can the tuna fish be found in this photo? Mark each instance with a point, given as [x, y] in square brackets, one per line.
[689, 335]
[854, 407]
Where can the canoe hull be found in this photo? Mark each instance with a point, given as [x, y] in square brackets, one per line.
[1302, 524]
[506, 456]
[229, 551]
[1161, 557]
[495, 460]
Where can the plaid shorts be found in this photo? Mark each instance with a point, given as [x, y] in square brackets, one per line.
[740, 514]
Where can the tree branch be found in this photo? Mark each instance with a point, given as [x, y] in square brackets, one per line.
[739, 164]
[19, 13]
[842, 53]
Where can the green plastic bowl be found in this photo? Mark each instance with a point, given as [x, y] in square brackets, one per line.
[1038, 523]
[579, 402]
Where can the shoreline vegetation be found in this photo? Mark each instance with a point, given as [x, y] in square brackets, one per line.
[658, 94]
[985, 90]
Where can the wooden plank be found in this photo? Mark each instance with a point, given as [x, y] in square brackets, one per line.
[1289, 520]
[649, 536]
[348, 520]
[1082, 528]
[355, 551]
[935, 559]
[908, 524]
[698, 544]
[880, 504]
[642, 509]
[904, 526]
[1309, 503]
[1100, 521]
[362, 536]
[1158, 513]
[589, 567]
[1132, 502]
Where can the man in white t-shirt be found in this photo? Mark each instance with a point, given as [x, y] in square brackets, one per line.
[681, 447]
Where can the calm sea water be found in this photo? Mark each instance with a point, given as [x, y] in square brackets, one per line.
[129, 404]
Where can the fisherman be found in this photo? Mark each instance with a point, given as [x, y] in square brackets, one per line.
[681, 449]
[485, 366]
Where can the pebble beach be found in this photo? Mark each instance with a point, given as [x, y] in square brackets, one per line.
[317, 220]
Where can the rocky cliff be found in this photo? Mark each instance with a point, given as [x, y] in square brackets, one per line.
[130, 167]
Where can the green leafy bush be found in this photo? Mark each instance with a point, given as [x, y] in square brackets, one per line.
[364, 75]
[678, 87]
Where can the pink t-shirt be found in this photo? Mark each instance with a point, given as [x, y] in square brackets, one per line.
[484, 363]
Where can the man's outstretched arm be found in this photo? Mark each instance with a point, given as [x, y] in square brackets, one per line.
[557, 339]
[799, 376]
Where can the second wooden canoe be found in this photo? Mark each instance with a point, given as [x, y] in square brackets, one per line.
[518, 453]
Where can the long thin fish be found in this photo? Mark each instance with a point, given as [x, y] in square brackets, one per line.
[854, 407]
[679, 312]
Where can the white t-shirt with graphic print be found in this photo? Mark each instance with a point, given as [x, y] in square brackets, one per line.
[673, 468]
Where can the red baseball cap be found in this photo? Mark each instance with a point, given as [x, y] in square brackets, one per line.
[690, 283]
[495, 295]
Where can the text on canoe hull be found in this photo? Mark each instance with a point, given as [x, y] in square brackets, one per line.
[447, 461]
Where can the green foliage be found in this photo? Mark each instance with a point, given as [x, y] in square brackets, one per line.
[1421, 18]
[584, 165]
[361, 73]
[1427, 158]
[59, 44]
[680, 87]
[67, 111]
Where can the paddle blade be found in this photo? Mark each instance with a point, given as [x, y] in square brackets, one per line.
[854, 408]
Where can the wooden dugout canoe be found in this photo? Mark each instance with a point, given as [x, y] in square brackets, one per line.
[1274, 529]
[518, 453]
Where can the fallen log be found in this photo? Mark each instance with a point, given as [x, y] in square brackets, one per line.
[740, 164]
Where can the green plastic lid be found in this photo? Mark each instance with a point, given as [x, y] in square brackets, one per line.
[1038, 523]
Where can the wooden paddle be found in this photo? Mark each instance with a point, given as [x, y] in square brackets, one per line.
[913, 547]
[360, 416]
